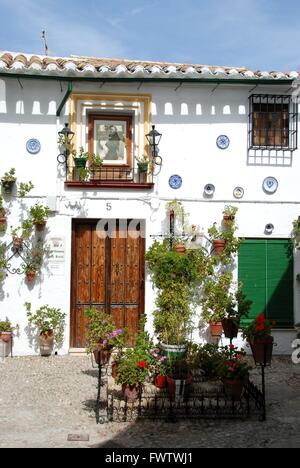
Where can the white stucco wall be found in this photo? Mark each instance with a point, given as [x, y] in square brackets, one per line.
[190, 120]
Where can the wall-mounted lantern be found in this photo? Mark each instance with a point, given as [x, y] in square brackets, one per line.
[154, 138]
[65, 138]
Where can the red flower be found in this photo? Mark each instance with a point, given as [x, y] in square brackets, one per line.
[261, 318]
[142, 364]
[260, 327]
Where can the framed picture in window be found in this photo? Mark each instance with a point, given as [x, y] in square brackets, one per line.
[110, 137]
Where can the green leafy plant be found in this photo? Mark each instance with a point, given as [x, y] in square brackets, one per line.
[3, 261]
[83, 174]
[239, 307]
[25, 188]
[177, 279]
[100, 329]
[97, 162]
[3, 210]
[7, 327]
[35, 257]
[216, 299]
[296, 233]
[205, 357]
[230, 211]
[24, 231]
[47, 319]
[39, 213]
[9, 177]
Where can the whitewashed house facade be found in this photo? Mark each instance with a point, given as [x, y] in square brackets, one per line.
[191, 106]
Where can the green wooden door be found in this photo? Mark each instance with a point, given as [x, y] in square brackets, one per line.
[266, 269]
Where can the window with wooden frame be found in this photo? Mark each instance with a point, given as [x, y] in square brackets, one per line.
[110, 138]
[272, 122]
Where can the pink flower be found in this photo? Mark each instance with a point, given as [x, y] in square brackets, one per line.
[104, 342]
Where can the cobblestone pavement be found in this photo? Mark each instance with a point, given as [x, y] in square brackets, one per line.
[43, 400]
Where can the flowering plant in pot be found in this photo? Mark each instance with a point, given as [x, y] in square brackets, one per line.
[234, 371]
[8, 180]
[39, 215]
[134, 367]
[21, 233]
[158, 367]
[258, 335]
[216, 299]
[50, 323]
[102, 335]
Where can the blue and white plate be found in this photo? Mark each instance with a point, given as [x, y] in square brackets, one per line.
[33, 146]
[223, 142]
[175, 182]
[270, 185]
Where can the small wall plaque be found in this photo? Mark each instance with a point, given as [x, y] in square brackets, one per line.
[175, 182]
[270, 185]
[33, 146]
[223, 142]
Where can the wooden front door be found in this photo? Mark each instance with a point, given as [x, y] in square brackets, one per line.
[107, 273]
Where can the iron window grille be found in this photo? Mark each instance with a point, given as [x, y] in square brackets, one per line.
[272, 123]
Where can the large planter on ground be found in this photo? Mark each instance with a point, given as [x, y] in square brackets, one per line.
[216, 329]
[234, 388]
[218, 246]
[262, 350]
[230, 328]
[102, 354]
[174, 351]
[46, 343]
[5, 343]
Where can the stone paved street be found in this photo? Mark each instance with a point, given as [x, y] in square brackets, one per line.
[43, 400]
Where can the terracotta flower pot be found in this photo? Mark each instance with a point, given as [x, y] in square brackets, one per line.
[262, 350]
[5, 343]
[31, 276]
[40, 226]
[234, 388]
[18, 242]
[218, 246]
[160, 381]
[216, 328]
[102, 354]
[114, 368]
[228, 221]
[181, 249]
[131, 392]
[230, 328]
[46, 343]
[3, 221]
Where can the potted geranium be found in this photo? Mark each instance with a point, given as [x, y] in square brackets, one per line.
[102, 335]
[39, 216]
[258, 335]
[233, 371]
[50, 323]
[239, 307]
[8, 181]
[158, 367]
[6, 333]
[21, 233]
[134, 367]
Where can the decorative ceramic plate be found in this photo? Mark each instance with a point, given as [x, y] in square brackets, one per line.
[175, 182]
[209, 190]
[33, 146]
[270, 185]
[238, 192]
[223, 142]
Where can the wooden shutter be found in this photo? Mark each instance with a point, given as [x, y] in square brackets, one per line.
[266, 271]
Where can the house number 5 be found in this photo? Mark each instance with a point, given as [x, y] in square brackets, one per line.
[108, 207]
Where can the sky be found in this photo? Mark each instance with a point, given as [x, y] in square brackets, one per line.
[258, 34]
